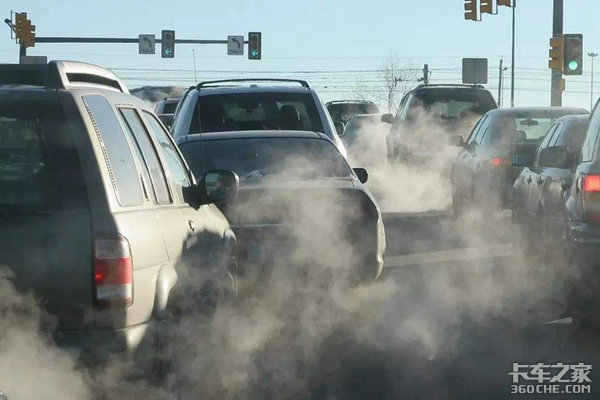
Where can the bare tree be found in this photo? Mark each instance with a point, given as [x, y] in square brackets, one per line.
[393, 81]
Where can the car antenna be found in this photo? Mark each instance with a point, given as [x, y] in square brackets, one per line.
[194, 58]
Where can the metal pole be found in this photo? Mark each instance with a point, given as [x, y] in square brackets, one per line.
[426, 74]
[194, 57]
[500, 84]
[557, 31]
[512, 77]
[22, 52]
[592, 56]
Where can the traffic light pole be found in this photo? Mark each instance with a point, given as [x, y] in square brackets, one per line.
[120, 40]
[557, 31]
[512, 72]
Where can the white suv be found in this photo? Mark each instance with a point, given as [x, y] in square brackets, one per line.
[242, 105]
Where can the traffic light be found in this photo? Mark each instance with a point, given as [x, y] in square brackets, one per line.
[573, 54]
[254, 46]
[24, 31]
[507, 3]
[487, 7]
[556, 53]
[471, 10]
[167, 44]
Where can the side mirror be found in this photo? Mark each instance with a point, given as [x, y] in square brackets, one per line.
[361, 174]
[456, 140]
[387, 118]
[554, 157]
[520, 160]
[215, 187]
[339, 128]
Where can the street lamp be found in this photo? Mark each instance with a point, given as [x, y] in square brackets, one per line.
[592, 56]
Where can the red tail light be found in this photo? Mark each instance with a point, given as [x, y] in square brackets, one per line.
[591, 183]
[113, 272]
[499, 161]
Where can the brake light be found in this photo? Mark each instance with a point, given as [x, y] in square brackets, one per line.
[591, 183]
[113, 272]
[499, 161]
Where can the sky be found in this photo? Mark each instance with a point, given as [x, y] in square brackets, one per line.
[331, 43]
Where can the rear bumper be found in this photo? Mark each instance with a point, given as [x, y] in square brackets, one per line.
[584, 238]
[96, 346]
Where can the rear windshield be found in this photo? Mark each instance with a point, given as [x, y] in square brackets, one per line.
[256, 111]
[39, 166]
[529, 128]
[169, 107]
[276, 158]
[343, 112]
[450, 104]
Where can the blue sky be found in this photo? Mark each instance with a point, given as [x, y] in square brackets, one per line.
[339, 37]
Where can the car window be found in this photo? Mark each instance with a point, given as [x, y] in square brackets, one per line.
[476, 130]
[450, 104]
[520, 129]
[572, 138]
[546, 142]
[142, 139]
[270, 158]
[344, 112]
[483, 129]
[118, 155]
[256, 111]
[589, 144]
[39, 165]
[177, 169]
[557, 132]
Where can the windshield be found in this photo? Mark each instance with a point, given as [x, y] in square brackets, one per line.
[450, 104]
[39, 167]
[520, 129]
[256, 111]
[343, 112]
[271, 158]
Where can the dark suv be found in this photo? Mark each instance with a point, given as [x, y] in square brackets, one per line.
[99, 212]
[428, 114]
[344, 110]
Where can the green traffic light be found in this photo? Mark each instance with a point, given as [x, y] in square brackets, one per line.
[573, 65]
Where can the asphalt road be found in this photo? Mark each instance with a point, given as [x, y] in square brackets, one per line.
[482, 306]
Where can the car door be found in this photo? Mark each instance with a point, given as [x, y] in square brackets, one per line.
[206, 243]
[558, 181]
[469, 157]
[538, 175]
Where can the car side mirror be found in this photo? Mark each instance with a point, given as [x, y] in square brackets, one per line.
[456, 140]
[215, 187]
[520, 160]
[339, 128]
[387, 118]
[555, 157]
[361, 174]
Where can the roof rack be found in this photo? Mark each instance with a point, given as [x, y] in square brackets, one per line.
[451, 84]
[207, 83]
[350, 101]
[60, 75]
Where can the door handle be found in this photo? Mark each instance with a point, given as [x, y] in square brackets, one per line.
[192, 225]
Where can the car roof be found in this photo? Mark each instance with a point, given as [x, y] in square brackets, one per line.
[348, 102]
[580, 119]
[449, 86]
[267, 134]
[520, 111]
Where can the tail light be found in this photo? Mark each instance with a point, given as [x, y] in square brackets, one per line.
[113, 272]
[590, 189]
[500, 161]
